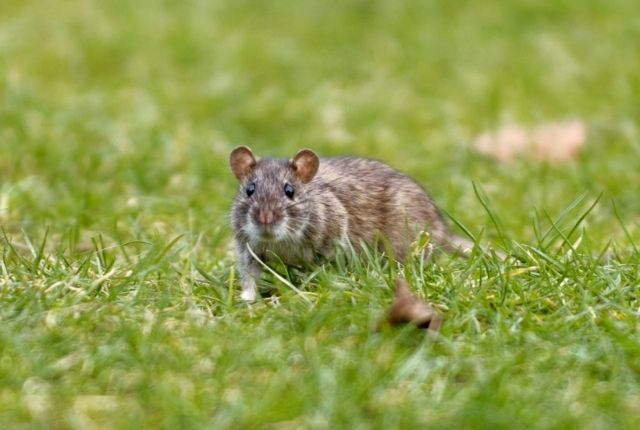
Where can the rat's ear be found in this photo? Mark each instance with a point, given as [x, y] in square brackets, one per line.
[242, 162]
[305, 163]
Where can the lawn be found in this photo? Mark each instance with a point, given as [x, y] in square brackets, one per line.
[119, 298]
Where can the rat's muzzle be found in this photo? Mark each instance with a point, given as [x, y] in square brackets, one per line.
[266, 217]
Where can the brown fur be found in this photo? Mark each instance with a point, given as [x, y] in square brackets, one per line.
[349, 202]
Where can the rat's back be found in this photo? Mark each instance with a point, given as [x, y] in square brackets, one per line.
[380, 201]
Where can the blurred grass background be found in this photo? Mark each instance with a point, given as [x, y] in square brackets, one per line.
[116, 122]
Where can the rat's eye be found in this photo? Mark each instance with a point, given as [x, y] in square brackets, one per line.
[251, 188]
[288, 190]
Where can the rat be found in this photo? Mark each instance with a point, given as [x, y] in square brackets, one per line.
[302, 210]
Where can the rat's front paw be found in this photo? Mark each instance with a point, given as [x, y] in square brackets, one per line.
[248, 295]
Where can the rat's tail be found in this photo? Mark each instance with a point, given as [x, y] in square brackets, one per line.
[464, 247]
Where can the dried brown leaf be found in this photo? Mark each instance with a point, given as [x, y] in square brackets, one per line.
[554, 142]
[407, 308]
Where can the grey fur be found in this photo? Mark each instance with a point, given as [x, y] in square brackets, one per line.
[349, 201]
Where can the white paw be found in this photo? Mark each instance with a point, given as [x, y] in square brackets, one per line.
[248, 295]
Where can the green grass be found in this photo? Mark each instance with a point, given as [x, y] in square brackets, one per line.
[119, 301]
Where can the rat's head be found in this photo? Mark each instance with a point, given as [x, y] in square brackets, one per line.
[272, 200]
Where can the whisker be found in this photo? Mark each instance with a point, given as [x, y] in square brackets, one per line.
[292, 229]
[294, 204]
[297, 203]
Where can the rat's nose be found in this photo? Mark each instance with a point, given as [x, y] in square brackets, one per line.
[266, 217]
